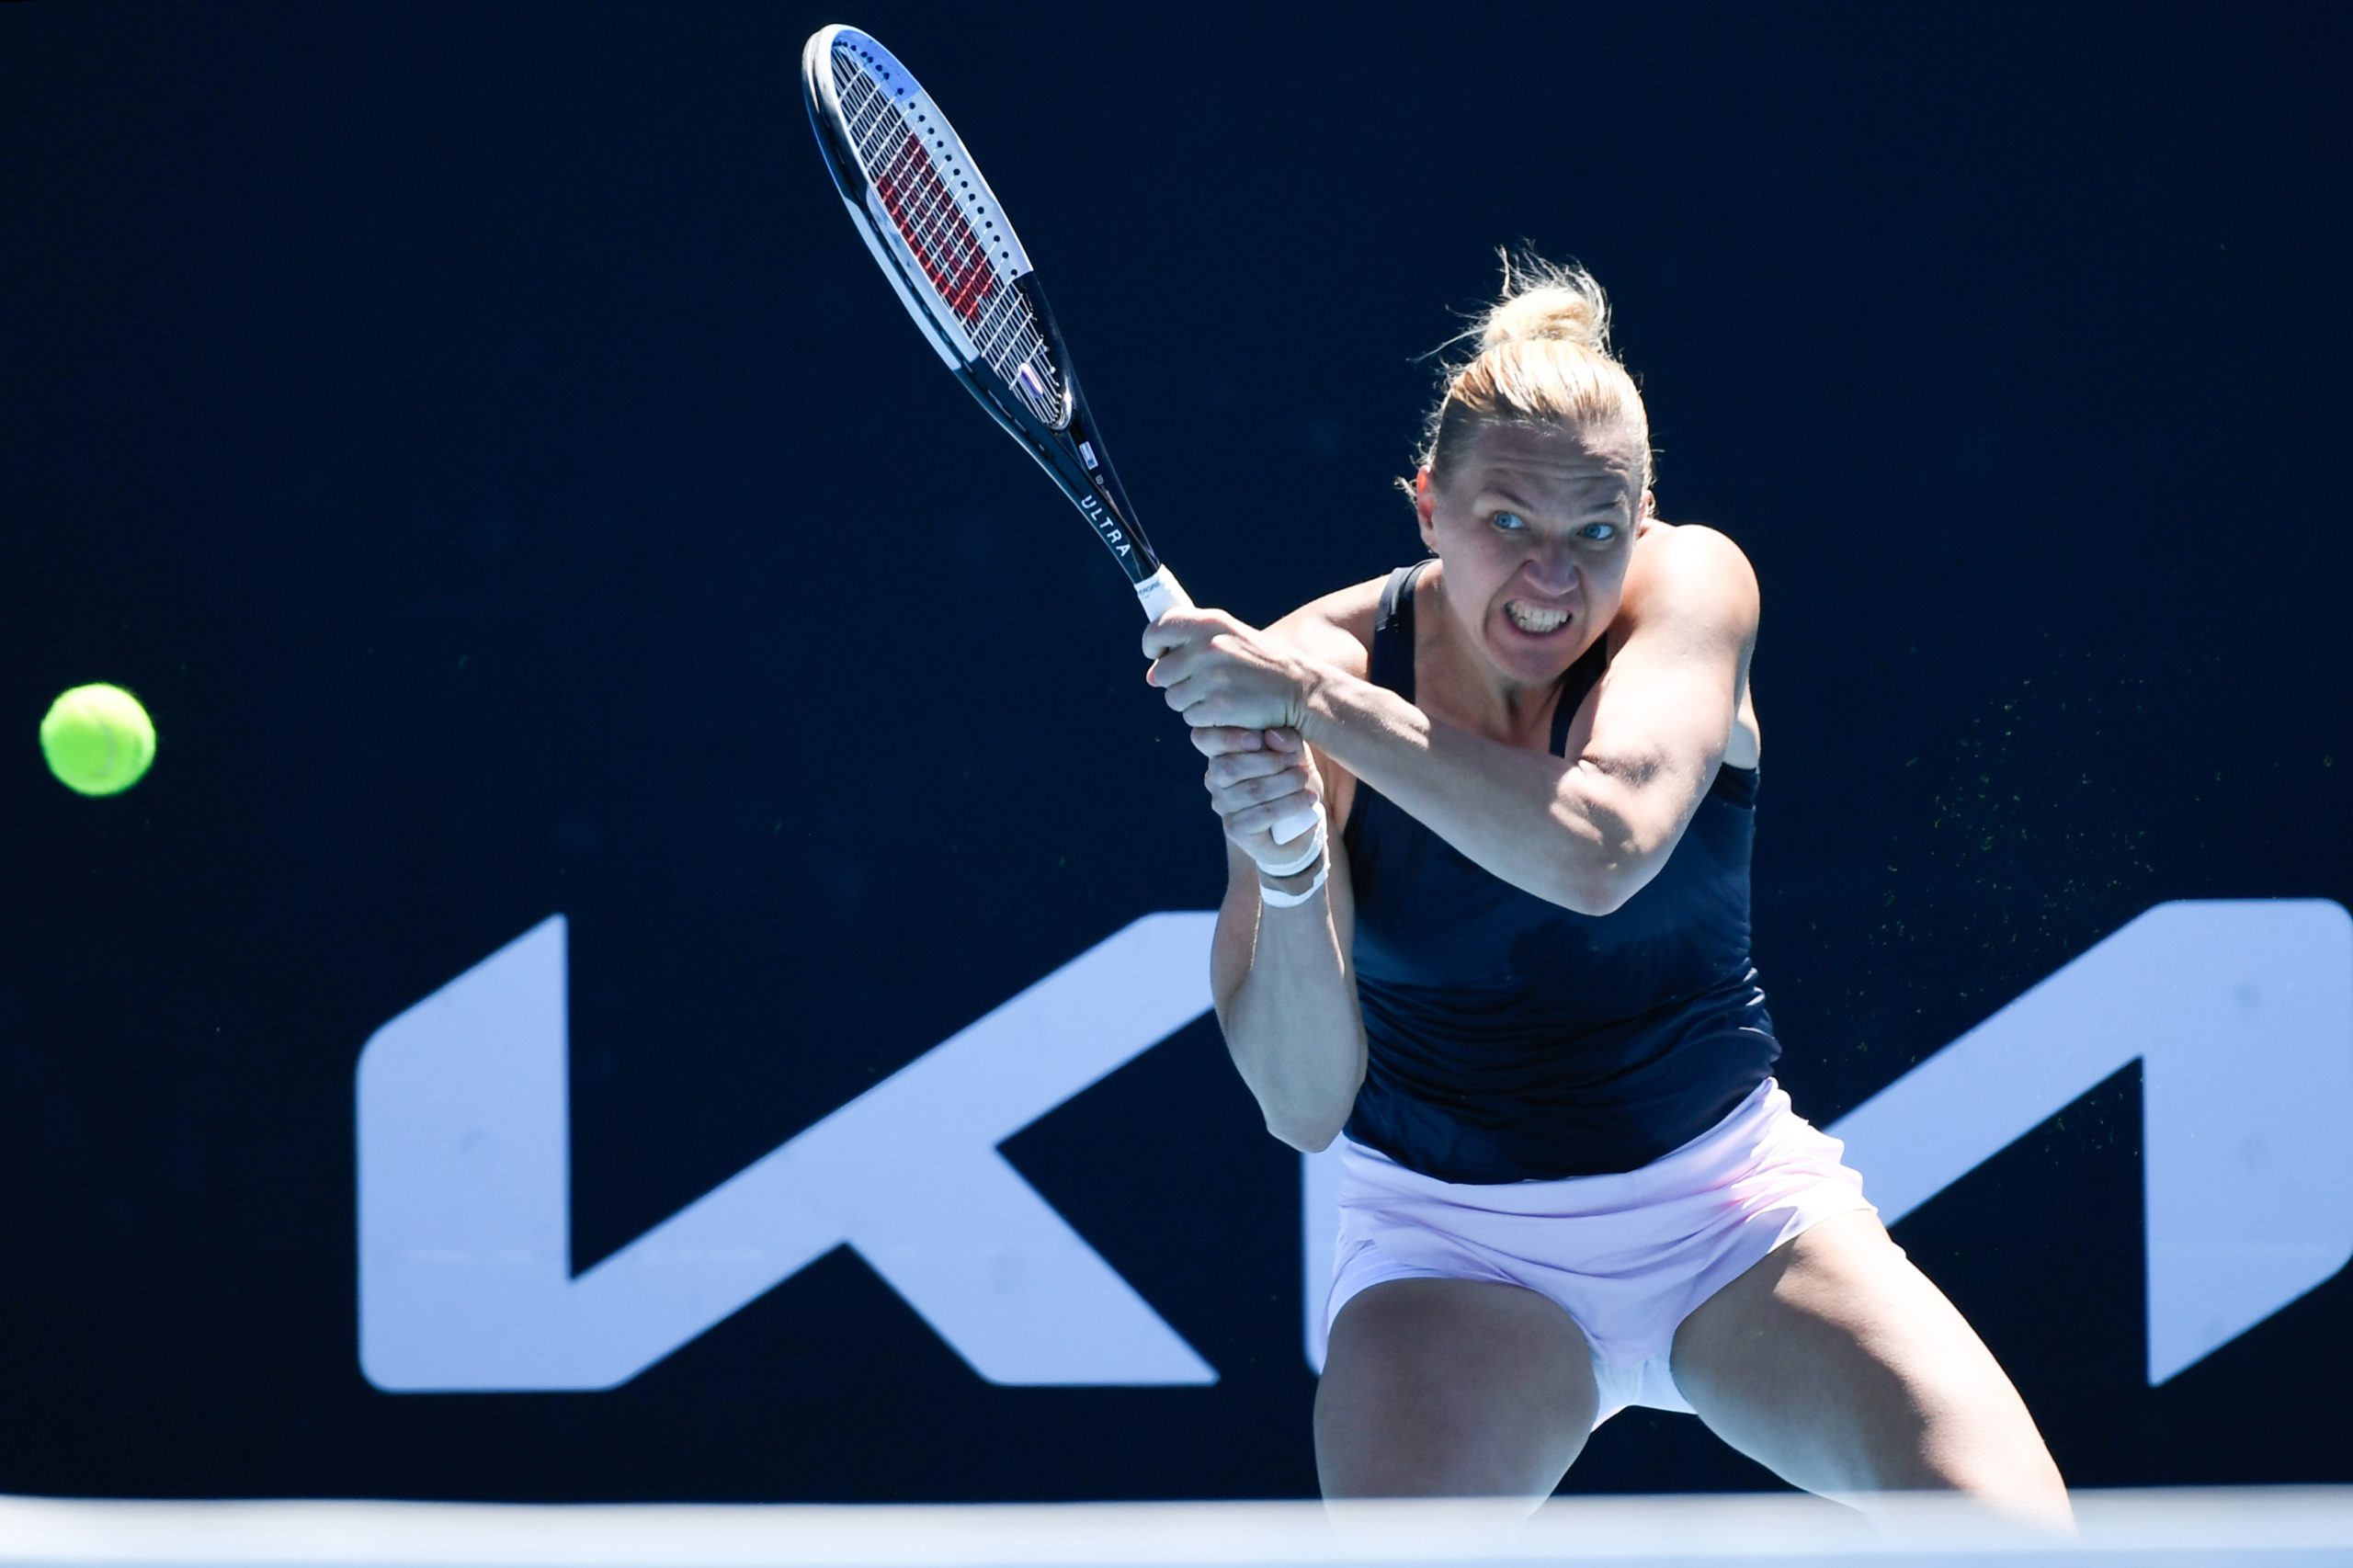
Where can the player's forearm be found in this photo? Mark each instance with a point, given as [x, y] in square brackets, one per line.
[1290, 1018]
[1524, 817]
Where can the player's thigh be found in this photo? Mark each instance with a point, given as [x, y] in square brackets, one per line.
[1452, 1388]
[1837, 1364]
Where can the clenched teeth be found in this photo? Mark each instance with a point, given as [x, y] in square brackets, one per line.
[1535, 621]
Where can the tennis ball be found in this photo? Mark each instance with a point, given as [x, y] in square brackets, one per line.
[97, 740]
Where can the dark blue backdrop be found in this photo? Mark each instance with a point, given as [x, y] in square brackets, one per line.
[477, 434]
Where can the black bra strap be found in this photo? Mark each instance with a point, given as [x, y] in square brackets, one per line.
[1392, 662]
[1580, 680]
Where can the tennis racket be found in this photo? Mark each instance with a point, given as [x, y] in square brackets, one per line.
[941, 238]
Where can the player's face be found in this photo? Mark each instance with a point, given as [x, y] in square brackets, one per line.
[1535, 527]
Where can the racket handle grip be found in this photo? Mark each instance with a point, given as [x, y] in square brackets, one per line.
[1291, 829]
[1161, 593]
[1158, 593]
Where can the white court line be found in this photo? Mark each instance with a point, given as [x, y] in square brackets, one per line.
[2219, 1527]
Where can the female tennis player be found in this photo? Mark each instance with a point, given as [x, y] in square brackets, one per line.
[1513, 979]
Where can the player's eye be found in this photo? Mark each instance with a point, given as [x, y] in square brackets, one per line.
[1510, 522]
[1604, 539]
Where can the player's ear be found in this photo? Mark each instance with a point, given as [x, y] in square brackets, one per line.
[1425, 502]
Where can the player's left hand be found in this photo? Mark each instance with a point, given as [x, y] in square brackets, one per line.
[1216, 671]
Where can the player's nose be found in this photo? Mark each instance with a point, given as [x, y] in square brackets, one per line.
[1550, 568]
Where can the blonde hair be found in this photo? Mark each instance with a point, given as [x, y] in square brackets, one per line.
[1543, 358]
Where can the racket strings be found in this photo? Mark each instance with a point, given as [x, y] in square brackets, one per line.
[952, 256]
[966, 281]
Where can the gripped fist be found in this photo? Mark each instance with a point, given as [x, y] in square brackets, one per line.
[1221, 674]
[1260, 782]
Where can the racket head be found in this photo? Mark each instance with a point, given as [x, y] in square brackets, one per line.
[933, 224]
[941, 237]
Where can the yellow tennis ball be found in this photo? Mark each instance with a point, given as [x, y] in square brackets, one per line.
[97, 740]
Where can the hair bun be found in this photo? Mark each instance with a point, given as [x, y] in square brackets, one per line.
[1543, 358]
[1544, 302]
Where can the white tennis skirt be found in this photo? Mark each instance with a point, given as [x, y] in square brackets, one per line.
[1627, 1255]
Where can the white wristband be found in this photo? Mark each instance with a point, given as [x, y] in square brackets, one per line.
[1300, 862]
[1281, 900]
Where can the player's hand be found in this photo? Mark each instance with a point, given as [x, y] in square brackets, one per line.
[1257, 779]
[1220, 673]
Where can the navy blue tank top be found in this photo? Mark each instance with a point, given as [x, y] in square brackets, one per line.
[1509, 1039]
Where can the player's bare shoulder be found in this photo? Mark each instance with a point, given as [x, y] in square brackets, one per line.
[1677, 566]
[1689, 570]
[1338, 627]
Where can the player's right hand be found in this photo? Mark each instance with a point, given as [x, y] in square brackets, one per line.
[1258, 778]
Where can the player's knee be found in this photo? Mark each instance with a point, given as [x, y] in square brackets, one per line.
[2021, 1486]
[1519, 1476]
[2010, 1478]
[1451, 1387]
[1369, 1446]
